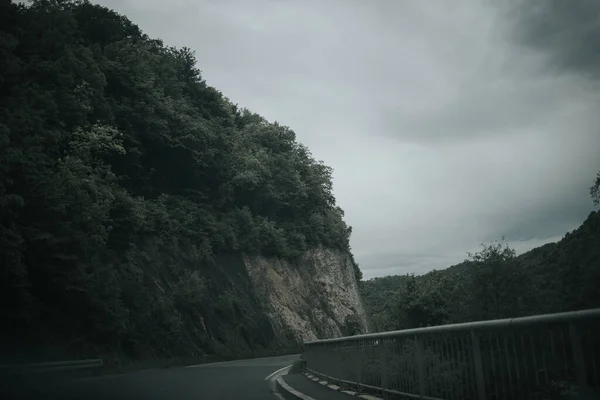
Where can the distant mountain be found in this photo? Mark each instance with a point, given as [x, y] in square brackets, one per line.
[567, 273]
[555, 277]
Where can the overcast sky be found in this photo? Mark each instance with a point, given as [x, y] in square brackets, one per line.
[447, 123]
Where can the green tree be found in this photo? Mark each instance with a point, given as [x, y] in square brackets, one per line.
[423, 301]
[496, 281]
[595, 190]
[125, 180]
[351, 325]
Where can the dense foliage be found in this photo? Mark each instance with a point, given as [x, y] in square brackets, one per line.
[494, 283]
[123, 177]
[491, 284]
[595, 190]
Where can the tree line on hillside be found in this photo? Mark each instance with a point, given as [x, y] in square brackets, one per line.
[495, 283]
[123, 175]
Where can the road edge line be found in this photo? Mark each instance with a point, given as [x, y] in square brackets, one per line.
[284, 386]
[278, 371]
[333, 387]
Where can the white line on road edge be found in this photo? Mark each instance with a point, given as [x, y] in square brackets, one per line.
[281, 385]
[369, 397]
[215, 364]
[276, 372]
[272, 378]
[291, 390]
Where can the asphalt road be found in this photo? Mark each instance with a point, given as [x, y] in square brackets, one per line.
[233, 380]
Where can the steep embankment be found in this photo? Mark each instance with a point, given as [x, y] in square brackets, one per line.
[143, 214]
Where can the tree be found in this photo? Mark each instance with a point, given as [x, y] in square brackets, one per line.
[595, 190]
[357, 271]
[496, 281]
[124, 176]
[422, 301]
[351, 325]
[493, 283]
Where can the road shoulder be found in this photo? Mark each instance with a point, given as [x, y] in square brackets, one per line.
[299, 387]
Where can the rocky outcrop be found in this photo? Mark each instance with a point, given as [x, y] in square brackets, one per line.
[311, 297]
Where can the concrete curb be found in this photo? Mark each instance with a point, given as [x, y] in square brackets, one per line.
[335, 387]
[290, 393]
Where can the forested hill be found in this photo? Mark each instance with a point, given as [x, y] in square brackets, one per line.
[494, 283]
[116, 157]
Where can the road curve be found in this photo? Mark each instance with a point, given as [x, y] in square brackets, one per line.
[232, 380]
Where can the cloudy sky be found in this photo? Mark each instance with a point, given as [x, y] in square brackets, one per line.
[447, 123]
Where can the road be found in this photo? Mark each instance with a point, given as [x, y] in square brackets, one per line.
[233, 380]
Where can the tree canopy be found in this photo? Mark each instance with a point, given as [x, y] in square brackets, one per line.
[493, 283]
[122, 171]
[595, 190]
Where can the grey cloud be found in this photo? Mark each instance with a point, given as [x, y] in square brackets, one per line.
[447, 124]
[488, 108]
[567, 32]
[540, 223]
[402, 263]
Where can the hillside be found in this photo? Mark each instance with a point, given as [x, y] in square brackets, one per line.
[136, 200]
[562, 276]
[567, 273]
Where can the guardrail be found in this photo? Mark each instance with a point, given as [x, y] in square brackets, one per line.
[54, 366]
[536, 357]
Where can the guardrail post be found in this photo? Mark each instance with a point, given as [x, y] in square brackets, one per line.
[420, 366]
[340, 363]
[358, 369]
[383, 367]
[578, 358]
[478, 365]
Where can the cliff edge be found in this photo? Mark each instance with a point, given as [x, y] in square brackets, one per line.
[312, 297]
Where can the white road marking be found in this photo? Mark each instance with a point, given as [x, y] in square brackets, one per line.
[294, 392]
[215, 364]
[276, 372]
[275, 375]
[244, 362]
[369, 397]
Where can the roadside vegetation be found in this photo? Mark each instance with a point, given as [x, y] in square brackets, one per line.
[495, 283]
[125, 181]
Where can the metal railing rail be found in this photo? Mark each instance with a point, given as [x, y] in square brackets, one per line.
[53, 366]
[530, 357]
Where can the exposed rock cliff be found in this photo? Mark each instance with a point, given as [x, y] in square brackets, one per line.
[312, 297]
[123, 228]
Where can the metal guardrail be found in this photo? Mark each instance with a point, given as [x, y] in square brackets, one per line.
[54, 366]
[538, 357]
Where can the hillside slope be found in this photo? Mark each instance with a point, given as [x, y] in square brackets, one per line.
[556, 277]
[567, 273]
[136, 199]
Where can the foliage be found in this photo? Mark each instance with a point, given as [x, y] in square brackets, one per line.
[377, 294]
[352, 325]
[123, 178]
[497, 283]
[493, 283]
[357, 272]
[595, 190]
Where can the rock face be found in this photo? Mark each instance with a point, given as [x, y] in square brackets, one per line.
[236, 307]
[312, 297]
